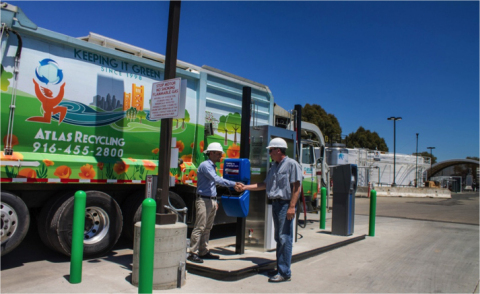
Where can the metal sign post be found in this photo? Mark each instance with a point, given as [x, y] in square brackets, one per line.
[164, 155]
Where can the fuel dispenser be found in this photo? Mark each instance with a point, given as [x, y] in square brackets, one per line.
[259, 230]
[344, 189]
[237, 170]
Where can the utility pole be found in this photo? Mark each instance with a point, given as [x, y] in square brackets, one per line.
[416, 164]
[394, 146]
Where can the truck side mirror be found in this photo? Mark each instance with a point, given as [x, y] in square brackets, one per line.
[319, 163]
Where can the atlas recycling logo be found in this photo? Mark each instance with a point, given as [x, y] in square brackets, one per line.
[48, 72]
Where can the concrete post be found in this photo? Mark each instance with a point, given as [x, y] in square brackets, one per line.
[169, 256]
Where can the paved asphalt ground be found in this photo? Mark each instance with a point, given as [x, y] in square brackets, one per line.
[421, 245]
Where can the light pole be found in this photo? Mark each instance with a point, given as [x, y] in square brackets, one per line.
[431, 160]
[394, 147]
[416, 164]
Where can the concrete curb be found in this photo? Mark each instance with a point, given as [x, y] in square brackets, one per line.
[406, 192]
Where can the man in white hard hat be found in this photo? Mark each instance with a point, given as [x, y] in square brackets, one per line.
[206, 204]
[283, 188]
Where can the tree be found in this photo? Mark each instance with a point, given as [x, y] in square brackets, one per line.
[233, 123]
[326, 122]
[366, 139]
[186, 118]
[223, 127]
[131, 113]
[5, 75]
[141, 115]
[427, 154]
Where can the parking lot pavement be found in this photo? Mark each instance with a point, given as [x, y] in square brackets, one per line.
[404, 256]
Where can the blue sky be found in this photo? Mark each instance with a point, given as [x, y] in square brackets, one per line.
[361, 61]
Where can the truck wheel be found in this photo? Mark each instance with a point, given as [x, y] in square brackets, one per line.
[103, 224]
[176, 201]
[132, 209]
[15, 222]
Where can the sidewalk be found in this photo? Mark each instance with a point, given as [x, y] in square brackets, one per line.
[311, 241]
[405, 256]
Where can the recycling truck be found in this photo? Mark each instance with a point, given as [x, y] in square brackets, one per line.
[75, 115]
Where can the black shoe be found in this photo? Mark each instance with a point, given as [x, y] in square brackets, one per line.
[194, 258]
[272, 273]
[210, 256]
[279, 278]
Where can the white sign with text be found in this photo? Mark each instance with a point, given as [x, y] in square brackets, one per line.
[168, 99]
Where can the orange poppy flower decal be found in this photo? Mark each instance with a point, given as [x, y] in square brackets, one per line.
[155, 151]
[132, 160]
[14, 139]
[27, 173]
[63, 172]
[180, 146]
[100, 165]
[87, 172]
[201, 146]
[149, 165]
[192, 174]
[48, 162]
[187, 158]
[233, 151]
[15, 156]
[120, 167]
[184, 178]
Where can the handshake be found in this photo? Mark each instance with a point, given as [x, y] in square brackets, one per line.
[239, 187]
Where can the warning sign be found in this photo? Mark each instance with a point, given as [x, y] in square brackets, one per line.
[168, 99]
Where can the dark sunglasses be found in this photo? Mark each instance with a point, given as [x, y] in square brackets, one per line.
[271, 149]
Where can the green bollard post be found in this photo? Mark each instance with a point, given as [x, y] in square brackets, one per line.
[147, 246]
[78, 232]
[323, 211]
[373, 211]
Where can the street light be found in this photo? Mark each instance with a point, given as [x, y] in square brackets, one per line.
[431, 160]
[394, 147]
[416, 164]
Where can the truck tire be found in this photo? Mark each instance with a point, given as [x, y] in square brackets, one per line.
[15, 222]
[132, 210]
[103, 223]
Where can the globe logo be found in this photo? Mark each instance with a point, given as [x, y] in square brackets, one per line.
[48, 72]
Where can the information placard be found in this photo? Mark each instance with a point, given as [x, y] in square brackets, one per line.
[168, 99]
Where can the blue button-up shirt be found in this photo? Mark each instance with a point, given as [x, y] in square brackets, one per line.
[207, 178]
[280, 177]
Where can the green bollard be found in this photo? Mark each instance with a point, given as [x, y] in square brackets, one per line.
[373, 211]
[323, 212]
[76, 258]
[147, 246]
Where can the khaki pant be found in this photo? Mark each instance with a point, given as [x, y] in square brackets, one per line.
[206, 209]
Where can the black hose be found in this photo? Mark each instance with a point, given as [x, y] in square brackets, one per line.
[20, 42]
[304, 211]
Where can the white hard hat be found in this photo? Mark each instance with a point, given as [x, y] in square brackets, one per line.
[277, 143]
[214, 147]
